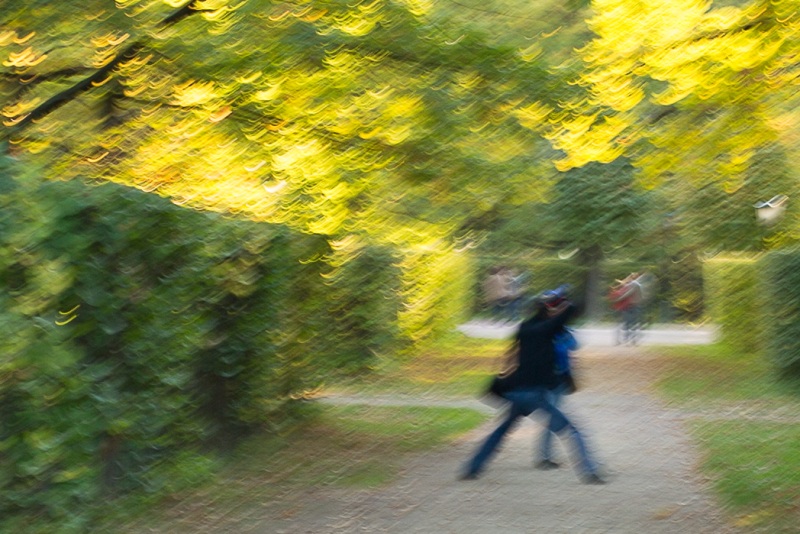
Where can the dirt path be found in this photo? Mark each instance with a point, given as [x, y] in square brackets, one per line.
[651, 465]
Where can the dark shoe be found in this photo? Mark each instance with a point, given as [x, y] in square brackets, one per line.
[468, 476]
[594, 479]
[545, 465]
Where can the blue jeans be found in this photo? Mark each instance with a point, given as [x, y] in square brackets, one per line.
[524, 403]
[546, 446]
[630, 330]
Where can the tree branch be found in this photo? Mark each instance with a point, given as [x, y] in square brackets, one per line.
[101, 74]
[82, 86]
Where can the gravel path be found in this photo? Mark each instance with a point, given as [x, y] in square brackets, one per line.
[651, 466]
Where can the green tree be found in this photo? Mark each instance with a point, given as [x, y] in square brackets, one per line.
[599, 210]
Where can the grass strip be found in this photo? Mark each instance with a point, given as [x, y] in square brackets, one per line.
[458, 366]
[355, 446]
[747, 424]
[756, 470]
[715, 374]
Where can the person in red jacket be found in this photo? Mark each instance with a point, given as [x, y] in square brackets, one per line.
[627, 296]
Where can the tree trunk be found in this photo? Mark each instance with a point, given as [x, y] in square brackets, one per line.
[593, 295]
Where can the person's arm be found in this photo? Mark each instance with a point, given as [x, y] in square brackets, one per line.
[560, 315]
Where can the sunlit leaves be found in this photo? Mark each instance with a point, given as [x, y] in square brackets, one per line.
[533, 115]
[22, 60]
[304, 114]
[433, 288]
[194, 93]
[693, 48]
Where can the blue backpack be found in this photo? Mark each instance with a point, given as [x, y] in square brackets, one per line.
[564, 342]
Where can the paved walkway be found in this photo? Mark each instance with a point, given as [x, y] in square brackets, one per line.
[605, 335]
[651, 464]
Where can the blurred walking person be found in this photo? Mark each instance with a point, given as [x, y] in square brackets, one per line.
[496, 293]
[526, 387]
[627, 296]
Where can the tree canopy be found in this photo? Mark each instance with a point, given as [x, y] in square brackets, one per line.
[326, 116]
[417, 122]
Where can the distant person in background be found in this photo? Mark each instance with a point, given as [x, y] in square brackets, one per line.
[496, 292]
[626, 297]
[516, 297]
[507, 277]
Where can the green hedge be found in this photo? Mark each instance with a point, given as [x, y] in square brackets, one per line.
[137, 334]
[780, 313]
[757, 305]
[732, 300]
[362, 286]
[436, 292]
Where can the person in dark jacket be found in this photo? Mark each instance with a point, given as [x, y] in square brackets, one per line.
[527, 386]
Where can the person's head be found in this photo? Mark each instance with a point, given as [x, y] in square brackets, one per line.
[550, 302]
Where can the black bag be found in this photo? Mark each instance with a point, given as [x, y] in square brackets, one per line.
[499, 386]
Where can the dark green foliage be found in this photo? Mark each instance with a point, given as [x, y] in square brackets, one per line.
[549, 274]
[724, 220]
[598, 206]
[781, 310]
[732, 301]
[602, 213]
[364, 298]
[137, 334]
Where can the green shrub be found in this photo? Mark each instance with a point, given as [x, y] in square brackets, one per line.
[363, 286]
[780, 313]
[732, 300]
[436, 292]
